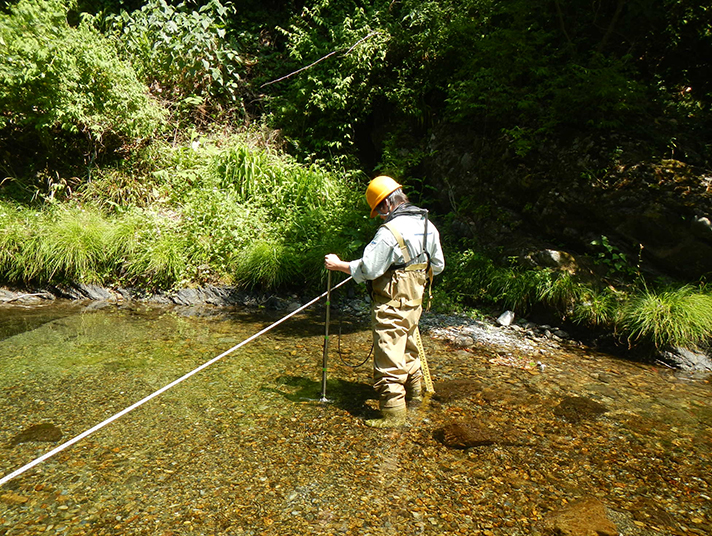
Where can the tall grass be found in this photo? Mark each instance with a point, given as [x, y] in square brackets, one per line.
[59, 244]
[260, 176]
[214, 210]
[475, 276]
[598, 307]
[16, 231]
[152, 248]
[521, 289]
[266, 264]
[675, 317]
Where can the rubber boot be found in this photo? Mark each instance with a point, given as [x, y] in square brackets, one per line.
[390, 418]
[414, 394]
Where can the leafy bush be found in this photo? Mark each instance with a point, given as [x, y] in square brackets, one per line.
[528, 71]
[56, 77]
[183, 52]
[324, 105]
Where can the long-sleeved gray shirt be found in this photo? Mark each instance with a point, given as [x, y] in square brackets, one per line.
[384, 251]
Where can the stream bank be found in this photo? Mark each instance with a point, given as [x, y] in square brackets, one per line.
[515, 336]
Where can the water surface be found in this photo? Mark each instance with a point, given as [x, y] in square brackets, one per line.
[245, 447]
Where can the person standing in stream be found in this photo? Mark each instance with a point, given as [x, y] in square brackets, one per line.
[398, 264]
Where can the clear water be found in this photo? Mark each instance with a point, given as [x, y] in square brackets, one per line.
[245, 447]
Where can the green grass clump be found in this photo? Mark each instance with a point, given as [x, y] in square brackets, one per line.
[16, 232]
[154, 250]
[266, 264]
[520, 289]
[59, 244]
[677, 317]
[598, 307]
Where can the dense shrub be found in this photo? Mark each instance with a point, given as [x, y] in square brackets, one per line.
[57, 77]
[184, 52]
[528, 70]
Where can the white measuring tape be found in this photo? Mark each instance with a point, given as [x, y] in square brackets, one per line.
[101, 425]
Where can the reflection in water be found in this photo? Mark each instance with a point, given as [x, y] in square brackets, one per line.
[244, 448]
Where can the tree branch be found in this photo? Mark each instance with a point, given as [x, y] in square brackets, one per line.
[320, 60]
[560, 16]
[611, 26]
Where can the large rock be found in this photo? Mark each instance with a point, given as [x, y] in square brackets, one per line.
[687, 359]
[586, 517]
[82, 291]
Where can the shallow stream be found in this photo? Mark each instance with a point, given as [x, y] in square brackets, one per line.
[246, 447]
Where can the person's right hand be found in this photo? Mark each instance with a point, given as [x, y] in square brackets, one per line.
[333, 262]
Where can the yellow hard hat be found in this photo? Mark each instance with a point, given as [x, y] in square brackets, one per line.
[378, 189]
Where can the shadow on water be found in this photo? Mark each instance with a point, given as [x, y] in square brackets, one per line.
[346, 395]
[14, 320]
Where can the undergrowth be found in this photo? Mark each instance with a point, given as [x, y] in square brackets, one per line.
[664, 316]
[215, 210]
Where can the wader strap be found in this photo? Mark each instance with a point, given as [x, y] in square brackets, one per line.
[401, 242]
[409, 266]
[407, 259]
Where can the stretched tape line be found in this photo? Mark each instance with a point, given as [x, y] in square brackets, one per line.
[120, 414]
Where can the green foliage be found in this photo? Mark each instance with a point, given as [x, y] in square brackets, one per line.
[56, 77]
[15, 223]
[266, 264]
[677, 317]
[613, 259]
[60, 244]
[323, 106]
[183, 52]
[154, 250]
[528, 71]
[669, 317]
[475, 277]
[520, 289]
[215, 210]
[598, 308]
[468, 276]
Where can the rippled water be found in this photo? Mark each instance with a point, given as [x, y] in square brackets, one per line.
[245, 447]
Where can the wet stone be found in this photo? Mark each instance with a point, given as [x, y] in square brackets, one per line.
[575, 409]
[449, 390]
[586, 517]
[464, 435]
[45, 432]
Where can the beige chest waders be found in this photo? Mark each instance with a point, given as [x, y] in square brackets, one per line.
[427, 380]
